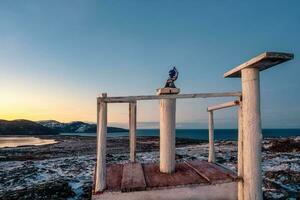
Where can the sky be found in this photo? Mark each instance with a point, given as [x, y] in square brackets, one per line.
[57, 56]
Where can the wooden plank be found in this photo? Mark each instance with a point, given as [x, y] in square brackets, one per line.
[262, 62]
[114, 177]
[133, 178]
[231, 174]
[223, 105]
[213, 174]
[183, 175]
[198, 172]
[127, 99]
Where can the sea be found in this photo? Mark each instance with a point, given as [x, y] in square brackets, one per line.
[220, 134]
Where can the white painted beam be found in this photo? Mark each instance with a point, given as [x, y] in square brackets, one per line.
[132, 130]
[100, 182]
[127, 99]
[211, 154]
[223, 105]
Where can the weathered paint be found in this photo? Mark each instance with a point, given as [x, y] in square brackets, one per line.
[100, 182]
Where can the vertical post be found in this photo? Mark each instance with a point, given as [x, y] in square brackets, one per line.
[252, 136]
[167, 135]
[211, 153]
[240, 153]
[132, 130]
[100, 182]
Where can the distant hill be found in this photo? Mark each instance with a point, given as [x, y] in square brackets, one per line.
[76, 127]
[24, 127]
[49, 127]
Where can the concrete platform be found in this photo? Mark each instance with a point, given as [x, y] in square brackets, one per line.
[191, 180]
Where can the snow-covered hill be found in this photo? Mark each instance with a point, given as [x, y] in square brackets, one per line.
[76, 127]
[51, 123]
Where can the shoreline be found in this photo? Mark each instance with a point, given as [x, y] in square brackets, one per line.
[73, 145]
[15, 141]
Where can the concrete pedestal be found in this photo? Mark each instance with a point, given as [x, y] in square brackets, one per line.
[167, 90]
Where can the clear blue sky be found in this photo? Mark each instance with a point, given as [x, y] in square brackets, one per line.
[57, 56]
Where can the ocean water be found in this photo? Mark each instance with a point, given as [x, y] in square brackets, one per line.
[220, 134]
[23, 141]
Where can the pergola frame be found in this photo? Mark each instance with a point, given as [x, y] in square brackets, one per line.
[250, 134]
[102, 102]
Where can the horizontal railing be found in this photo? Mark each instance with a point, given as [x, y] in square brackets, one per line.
[127, 99]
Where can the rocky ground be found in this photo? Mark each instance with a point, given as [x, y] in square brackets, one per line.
[64, 170]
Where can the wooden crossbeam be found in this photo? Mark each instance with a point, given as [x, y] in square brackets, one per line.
[128, 99]
[223, 105]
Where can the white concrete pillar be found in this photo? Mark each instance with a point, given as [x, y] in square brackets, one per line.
[167, 135]
[211, 145]
[132, 130]
[240, 153]
[100, 182]
[252, 136]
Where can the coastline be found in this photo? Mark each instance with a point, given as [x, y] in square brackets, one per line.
[67, 166]
[17, 141]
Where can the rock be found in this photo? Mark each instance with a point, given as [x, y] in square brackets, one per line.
[178, 156]
[220, 160]
[275, 194]
[286, 177]
[284, 145]
[58, 189]
[87, 191]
